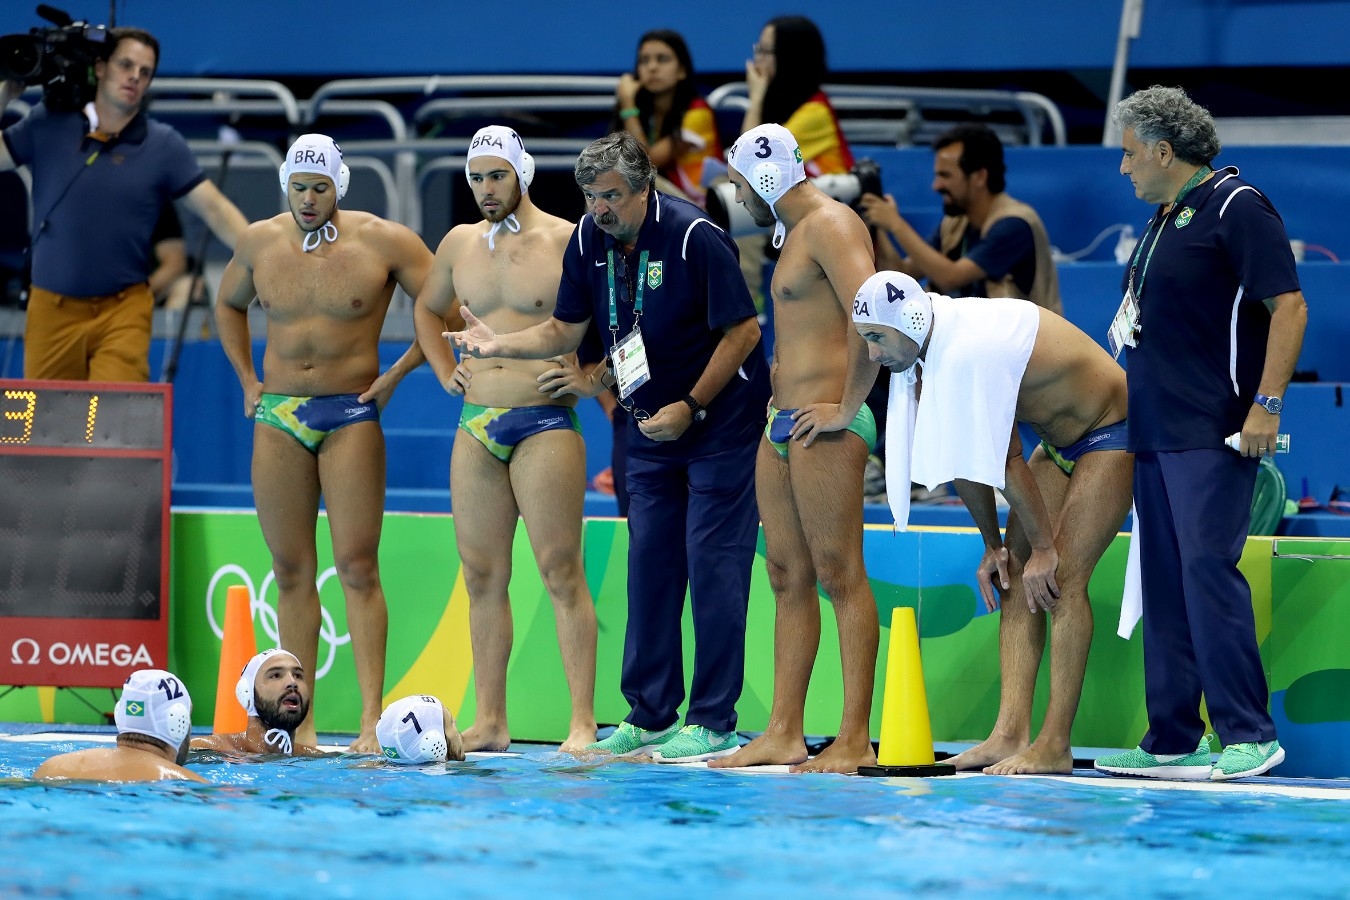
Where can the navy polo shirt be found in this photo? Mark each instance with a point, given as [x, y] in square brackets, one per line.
[1220, 252]
[1007, 248]
[692, 289]
[94, 215]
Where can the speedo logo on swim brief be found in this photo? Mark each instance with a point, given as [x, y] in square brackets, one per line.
[135, 708]
[555, 420]
[354, 411]
[1098, 437]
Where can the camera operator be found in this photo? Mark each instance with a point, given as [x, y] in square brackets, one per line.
[100, 178]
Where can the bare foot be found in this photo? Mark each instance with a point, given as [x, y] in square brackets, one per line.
[1035, 760]
[578, 739]
[486, 738]
[842, 757]
[991, 751]
[365, 742]
[765, 750]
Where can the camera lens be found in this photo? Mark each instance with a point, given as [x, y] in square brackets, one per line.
[20, 57]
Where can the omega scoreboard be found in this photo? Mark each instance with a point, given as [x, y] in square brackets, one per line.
[84, 531]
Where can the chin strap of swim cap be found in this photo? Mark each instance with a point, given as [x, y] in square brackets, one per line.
[279, 738]
[512, 225]
[328, 231]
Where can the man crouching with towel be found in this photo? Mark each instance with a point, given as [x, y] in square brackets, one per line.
[978, 367]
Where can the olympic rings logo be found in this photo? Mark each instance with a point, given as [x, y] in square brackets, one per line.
[262, 611]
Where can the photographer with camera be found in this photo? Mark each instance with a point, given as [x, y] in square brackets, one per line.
[987, 245]
[100, 177]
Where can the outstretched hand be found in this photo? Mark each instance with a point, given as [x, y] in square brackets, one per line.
[477, 339]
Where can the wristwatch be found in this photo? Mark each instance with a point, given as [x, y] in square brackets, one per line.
[696, 408]
[1272, 405]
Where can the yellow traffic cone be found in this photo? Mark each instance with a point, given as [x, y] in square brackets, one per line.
[906, 733]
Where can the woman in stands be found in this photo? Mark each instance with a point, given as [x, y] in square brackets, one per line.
[659, 105]
[784, 81]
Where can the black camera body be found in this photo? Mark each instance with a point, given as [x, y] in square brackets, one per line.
[60, 58]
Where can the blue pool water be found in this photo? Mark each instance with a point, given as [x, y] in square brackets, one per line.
[544, 825]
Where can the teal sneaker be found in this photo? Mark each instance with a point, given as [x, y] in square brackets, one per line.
[1246, 760]
[695, 743]
[1195, 766]
[630, 740]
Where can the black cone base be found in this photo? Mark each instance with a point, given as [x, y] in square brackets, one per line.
[932, 770]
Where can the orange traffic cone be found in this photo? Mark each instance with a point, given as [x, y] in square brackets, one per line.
[906, 732]
[237, 647]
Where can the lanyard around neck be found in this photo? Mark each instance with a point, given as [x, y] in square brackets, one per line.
[613, 301]
[1195, 179]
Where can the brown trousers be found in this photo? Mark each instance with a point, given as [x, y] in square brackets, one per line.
[88, 338]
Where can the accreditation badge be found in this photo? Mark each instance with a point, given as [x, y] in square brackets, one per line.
[1124, 331]
[629, 357]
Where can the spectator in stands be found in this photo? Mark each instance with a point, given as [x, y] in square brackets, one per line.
[988, 243]
[659, 280]
[809, 471]
[519, 453]
[324, 278]
[784, 83]
[1213, 317]
[154, 722]
[169, 256]
[659, 105]
[100, 179]
[985, 365]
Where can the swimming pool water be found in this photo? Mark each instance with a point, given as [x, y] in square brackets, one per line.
[543, 825]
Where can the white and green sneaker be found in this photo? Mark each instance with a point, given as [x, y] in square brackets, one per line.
[695, 743]
[630, 740]
[1138, 762]
[1247, 759]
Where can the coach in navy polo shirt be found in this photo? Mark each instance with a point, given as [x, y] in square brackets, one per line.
[662, 286]
[101, 177]
[1220, 323]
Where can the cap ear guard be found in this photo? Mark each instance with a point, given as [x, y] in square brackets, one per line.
[915, 318]
[433, 747]
[243, 691]
[178, 718]
[767, 180]
[526, 171]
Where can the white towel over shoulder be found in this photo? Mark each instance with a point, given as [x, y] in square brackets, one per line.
[972, 373]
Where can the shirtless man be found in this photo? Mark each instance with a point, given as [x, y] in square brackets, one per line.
[809, 472]
[1066, 503]
[274, 692]
[519, 451]
[325, 278]
[154, 719]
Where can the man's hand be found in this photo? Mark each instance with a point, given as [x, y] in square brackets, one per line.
[252, 397]
[811, 421]
[880, 212]
[458, 383]
[566, 379]
[668, 423]
[1038, 579]
[380, 390]
[1258, 432]
[477, 339]
[993, 569]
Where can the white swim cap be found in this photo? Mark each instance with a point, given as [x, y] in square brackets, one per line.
[895, 300]
[243, 691]
[411, 731]
[154, 703]
[769, 158]
[317, 154]
[504, 143]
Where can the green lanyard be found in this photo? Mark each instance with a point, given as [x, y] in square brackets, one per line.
[637, 302]
[1198, 177]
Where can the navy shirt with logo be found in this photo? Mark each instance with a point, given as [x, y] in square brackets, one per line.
[692, 289]
[1221, 251]
[98, 203]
